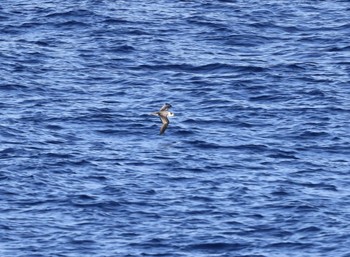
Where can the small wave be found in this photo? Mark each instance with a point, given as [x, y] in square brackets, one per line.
[54, 142]
[246, 40]
[72, 24]
[279, 154]
[252, 147]
[115, 21]
[8, 151]
[121, 49]
[54, 127]
[182, 132]
[339, 49]
[310, 229]
[207, 68]
[29, 25]
[292, 245]
[316, 92]
[269, 97]
[323, 186]
[217, 247]
[71, 14]
[60, 156]
[203, 144]
[112, 131]
[12, 87]
[313, 134]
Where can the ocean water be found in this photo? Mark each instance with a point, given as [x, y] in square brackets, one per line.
[255, 163]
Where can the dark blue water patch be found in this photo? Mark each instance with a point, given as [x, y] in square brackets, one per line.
[184, 132]
[292, 246]
[213, 68]
[252, 147]
[321, 186]
[8, 152]
[339, 49]
[313, 134]
[121, 49]
[203, 144]
[212, 248]
[116, 21]
[245, 40]
[280, 154]
[214, 24]
[281, 192]
[5, 87]
[315, 92]
[269, 97]
[54, 127]
[90, 202]
[310, 230]
[73, 14]
[72, 24]
[113, 131]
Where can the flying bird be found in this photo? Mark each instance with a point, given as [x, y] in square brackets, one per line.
[163, 114]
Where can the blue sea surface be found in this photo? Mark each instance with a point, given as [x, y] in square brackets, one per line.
[255, 162]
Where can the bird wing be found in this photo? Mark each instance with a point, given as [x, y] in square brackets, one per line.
[165, 107]
[163, 128]
[165, 122]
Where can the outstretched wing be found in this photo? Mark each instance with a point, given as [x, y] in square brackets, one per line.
[163, 128]
[165, 122]
[165, 107]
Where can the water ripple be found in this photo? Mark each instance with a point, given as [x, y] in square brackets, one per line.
[255, 161]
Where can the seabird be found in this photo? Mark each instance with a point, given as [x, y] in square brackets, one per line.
[163, 115]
